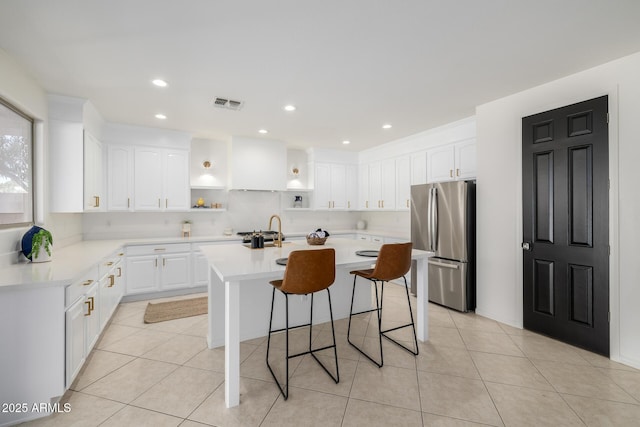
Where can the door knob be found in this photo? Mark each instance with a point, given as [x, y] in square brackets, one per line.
[526, 246]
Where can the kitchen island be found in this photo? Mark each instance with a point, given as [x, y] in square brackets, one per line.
[239, 295]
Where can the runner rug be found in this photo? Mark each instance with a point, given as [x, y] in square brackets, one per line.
[162, 311]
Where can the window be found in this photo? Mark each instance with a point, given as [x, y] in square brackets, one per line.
[16, 167]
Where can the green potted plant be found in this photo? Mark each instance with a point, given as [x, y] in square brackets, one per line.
[41, 239]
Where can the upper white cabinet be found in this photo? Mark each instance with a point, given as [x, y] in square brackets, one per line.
[119, 178]
[76, 160]
[419, 168]
[403, 182]
[452, 162]
[378, 185]
[161, 179]
[330, 183]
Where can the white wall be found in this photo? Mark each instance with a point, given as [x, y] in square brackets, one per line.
[499, 194]
[22, 91]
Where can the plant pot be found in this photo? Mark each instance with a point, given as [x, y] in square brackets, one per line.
[43, 256]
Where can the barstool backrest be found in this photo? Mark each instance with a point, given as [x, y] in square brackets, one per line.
[394, 261]
[309, 271]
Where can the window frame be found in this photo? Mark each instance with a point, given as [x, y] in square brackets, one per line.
[32, 192]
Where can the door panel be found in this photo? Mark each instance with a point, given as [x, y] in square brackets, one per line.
[565, 220]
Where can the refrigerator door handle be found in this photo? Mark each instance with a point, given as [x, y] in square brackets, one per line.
[434, 221]
[430, 219]
[442, 264]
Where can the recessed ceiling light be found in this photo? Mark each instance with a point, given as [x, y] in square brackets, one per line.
[159, 83]
[345, 142]
[161, 116]
[387, 126]
[289, 108]
[263, 131]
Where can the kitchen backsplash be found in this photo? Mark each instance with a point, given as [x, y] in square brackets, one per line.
[246, 211]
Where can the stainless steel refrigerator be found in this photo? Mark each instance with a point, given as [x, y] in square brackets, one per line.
[443, 221]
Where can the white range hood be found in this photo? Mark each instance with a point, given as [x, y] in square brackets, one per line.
[257, 164]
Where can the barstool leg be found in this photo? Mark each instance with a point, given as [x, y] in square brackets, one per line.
[412, 324]
[285, 390]
[377, 310]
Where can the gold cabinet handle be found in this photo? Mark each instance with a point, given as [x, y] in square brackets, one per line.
[457, 172]
[164, 261]
[112, 280]
[450, 173]
[88, 313]
[156, 261]
[383, 204]
[121, 254]
[407, 202]
[109, 264]
[128, 202]
[166, 203]
[87, 283]
[349, 204]
[96, 201]
[160, 249]
[158, 203]
[329, 204]
[119, 271]
[366, 204]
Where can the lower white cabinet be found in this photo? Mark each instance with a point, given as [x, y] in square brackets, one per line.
[111, 287]
[153, 268]
[82, 322]
[75, 340]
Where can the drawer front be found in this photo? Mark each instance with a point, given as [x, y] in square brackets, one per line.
[109, 263]
[158, 249]
[80, 286]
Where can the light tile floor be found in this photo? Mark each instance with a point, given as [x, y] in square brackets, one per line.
[472, 371]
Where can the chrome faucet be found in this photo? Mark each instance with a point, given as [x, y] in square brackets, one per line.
[278, 241]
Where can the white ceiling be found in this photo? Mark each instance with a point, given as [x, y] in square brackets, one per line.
[348, 65]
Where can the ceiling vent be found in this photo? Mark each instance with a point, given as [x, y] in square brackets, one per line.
[229, 104]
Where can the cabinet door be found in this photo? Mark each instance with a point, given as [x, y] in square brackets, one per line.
[403, 183]
[388, 184]
[338, 187]
[92, 320]
[440, 164]
[363, 187]
[322, 186]
[466, 160]
[176, 180]
[147, 179]
[419, 168]
[74, 339]
[201, 269]
[352, 186]
[175, 271]
[119, 178]
[375, 185]
[142, 274]
[93, 174]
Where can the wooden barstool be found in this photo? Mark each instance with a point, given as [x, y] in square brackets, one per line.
[307, 272]
[394, 261]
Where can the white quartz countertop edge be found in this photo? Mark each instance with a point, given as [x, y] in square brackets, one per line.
[70, 262]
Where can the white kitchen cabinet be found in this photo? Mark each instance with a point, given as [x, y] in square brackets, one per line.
[452, 162]
[465, 153]
[161, 179]
[363, 187]
[381, 191]
[82, 322]
[403, 182]
[200, 263]
[76, 168]
[120, 178]
[352, 187]
[370, 238]
[154, 268]
[330, 186]
[93, 174]
[419, 168]
[75, 339]
[111, 286]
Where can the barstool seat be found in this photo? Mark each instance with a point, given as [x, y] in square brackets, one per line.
[307, 272]
[394, 261]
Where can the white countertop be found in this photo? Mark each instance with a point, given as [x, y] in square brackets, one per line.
[238, 262]
[70, 262]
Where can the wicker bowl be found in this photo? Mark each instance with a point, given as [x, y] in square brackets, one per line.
[316, 240]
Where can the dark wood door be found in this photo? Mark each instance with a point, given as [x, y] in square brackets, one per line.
[565, 166]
